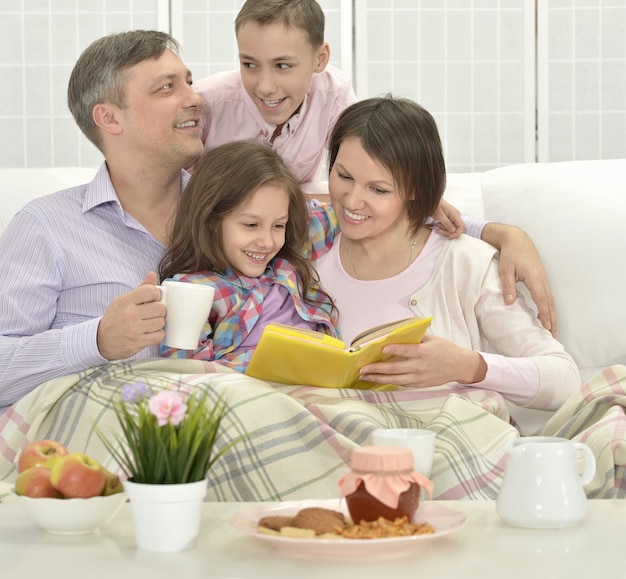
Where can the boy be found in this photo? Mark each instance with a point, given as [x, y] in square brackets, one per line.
[285, 94]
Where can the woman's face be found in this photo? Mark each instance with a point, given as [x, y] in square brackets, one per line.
[364, 195]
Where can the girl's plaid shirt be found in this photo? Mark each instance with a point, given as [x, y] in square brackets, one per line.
[239, 299]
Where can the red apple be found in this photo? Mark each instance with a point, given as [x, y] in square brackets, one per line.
[35, 482]
[77, 475]
[39, 452]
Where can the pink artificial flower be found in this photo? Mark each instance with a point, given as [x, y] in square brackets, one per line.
[169, 407]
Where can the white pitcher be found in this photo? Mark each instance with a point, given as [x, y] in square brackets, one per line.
[542, 488]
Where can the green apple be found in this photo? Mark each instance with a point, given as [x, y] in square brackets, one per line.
[35, 482]
[40, 452]
[112, 485]
[77, 475]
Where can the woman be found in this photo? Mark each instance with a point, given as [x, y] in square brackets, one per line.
[387, 175]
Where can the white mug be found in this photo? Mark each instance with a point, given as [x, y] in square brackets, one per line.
[419, 440]
[188, 308]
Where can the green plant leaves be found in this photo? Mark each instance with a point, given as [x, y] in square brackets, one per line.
[153, 454]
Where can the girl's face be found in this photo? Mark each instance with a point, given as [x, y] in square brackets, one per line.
[254, 232]
[364, 195]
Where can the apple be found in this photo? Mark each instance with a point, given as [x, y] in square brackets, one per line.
[77, 475]
[112, 485]
[39, 452]
[35, 482]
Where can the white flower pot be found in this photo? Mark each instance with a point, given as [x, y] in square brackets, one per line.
[166, 517]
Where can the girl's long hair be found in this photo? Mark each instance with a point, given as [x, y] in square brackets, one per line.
[223, 179]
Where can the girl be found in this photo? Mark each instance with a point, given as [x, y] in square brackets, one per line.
[243, 225]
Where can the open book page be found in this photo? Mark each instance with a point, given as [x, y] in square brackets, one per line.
[377, 332]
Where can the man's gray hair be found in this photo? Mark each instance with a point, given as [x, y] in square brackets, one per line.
[100, 73]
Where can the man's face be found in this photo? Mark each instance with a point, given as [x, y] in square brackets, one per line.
[161, 116]
[277, 64]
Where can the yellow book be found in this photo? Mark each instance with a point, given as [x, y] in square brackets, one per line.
[289, 355]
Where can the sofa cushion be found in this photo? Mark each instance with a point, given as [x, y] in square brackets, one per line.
[575, 212]
[18, 186]
[463, 190]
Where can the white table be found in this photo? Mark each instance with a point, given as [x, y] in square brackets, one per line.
[484, 548]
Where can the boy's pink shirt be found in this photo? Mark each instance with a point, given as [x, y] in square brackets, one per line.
[229, 114]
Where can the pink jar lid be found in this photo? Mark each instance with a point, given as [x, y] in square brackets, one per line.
[383, 460]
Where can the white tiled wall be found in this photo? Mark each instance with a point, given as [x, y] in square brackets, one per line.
[470, 62]
[582, 82]
[39, 42]
[466, 62]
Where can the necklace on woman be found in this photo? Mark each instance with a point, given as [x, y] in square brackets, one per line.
[354, 267]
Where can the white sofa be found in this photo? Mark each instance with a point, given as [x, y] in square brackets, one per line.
[574, 211]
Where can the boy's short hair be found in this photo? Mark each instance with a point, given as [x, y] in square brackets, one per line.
[306, 15]
[100, 73]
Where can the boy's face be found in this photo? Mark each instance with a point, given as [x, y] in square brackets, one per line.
[277, 64]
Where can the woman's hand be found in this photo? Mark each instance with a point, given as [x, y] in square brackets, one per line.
[448, 220]
[520, 261]
[433, 362]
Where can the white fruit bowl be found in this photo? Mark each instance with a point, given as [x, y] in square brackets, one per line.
[72, 516]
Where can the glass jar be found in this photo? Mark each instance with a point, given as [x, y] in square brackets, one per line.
[382, 483]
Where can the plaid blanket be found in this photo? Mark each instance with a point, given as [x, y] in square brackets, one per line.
[299, 438]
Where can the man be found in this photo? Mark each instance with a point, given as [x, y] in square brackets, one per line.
[77, 267]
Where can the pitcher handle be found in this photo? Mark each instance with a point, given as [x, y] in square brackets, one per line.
[590, 462]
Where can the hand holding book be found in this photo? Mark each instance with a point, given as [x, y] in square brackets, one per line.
[288, 355]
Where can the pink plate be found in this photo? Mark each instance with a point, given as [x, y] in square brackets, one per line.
[444, 520]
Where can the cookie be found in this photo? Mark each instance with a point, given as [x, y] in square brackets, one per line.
[319, 519]
[275, 522]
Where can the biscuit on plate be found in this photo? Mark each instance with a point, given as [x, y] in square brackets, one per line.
[297, 532]
[275, 522]
[319, 519]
